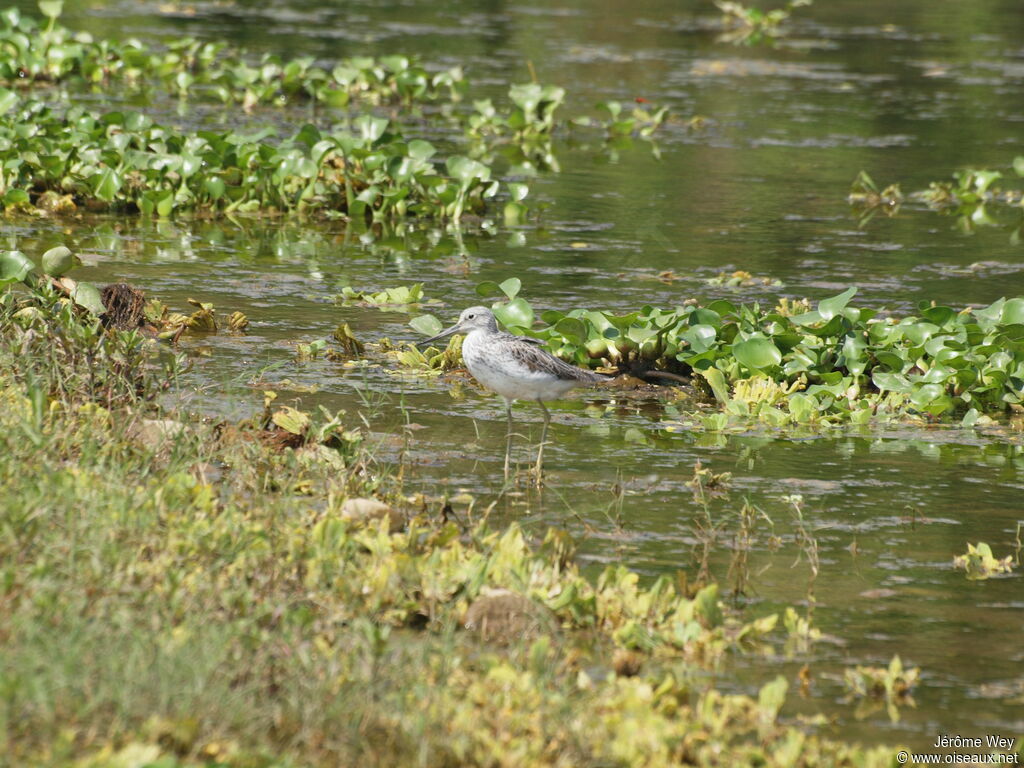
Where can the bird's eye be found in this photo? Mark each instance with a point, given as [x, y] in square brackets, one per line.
[470, 316]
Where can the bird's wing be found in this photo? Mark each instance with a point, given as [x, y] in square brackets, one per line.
[527, 352]
[529, 339]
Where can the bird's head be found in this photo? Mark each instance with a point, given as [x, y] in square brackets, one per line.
[472, 319]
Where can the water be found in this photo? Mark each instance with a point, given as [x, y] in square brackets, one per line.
[908, 91]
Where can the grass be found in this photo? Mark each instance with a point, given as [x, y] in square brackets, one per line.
[177, 592]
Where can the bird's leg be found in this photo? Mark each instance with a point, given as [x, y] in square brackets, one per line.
[543, 438]
[508, 437]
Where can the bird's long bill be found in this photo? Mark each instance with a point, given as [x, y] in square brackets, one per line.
[441, 335]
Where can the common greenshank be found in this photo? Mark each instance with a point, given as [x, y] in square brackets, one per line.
[515, 367]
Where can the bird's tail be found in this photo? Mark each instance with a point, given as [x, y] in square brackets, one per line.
[593, 377]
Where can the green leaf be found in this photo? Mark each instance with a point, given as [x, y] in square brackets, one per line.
[572, 329]
[215, 187]
[8, 99]
[51, 9]
[466, 170]
[421, 150]
[829, 308]
[14, 267]
[1013, 311]
[517, 191]
[165, 205]
[887, 381]
[700, 337]
[706, 606]
[106, 184]
[890, 360]
[291, 420]
[938, 315]
[428, 325]
[716, 380]
[16, 196]
[488, 288]
[59, 261]
[371, 128]
[87, 295]
[926, 394]
[756, 353]
[772, 696]
[511, 287]
[516, 314]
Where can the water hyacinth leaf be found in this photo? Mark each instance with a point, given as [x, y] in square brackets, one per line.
[833, 327]
[488, 288]
[552, 316]
[722, 307]
[704, 316]
[890, 382]
[771, 697]
[420, 150]
[15, 267]
[980, 563]
[1012, 332]
[526, 97]
[515, 314]
[395, 63]
[165, 203]
[926, 394]
[370, 128]
[937, 374]
[706, 606]
[87, 296]
[640, 335]
[517, 191]
[572, 329]
[215, 187]
[15, 197]
[58, 261]
[829, 308]
[716, 380]
[937, 315]
[291, 420]
[970, 418]
[1013, 311]
[700, 337]
[51, 9]
[466, 170]
[8, 99]
[428, 325]
[890, 359]
[511, 287]
[983, 180]
[757, 353]
[802, 407]
[106, 184]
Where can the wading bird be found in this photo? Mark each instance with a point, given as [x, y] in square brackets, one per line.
[516, 368]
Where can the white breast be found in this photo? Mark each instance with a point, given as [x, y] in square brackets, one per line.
[492, 364]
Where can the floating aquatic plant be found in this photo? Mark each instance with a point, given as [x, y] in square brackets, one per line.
[749, 24]
[975, 196]
[124, 160]
[876, 686]
[400, 297]
[979, 563]
[209, 70]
